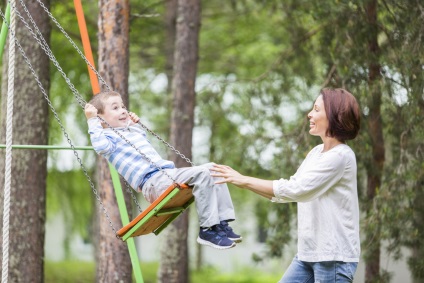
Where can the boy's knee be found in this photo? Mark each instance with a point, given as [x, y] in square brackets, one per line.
[204, 173]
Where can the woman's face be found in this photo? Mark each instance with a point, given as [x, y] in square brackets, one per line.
[318, 121]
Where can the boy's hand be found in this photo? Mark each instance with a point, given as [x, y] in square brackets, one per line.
[90, 111]
[133, 117]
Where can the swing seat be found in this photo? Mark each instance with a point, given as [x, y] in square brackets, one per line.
[159, 213]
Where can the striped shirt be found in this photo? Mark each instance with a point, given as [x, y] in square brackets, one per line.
[129, 163]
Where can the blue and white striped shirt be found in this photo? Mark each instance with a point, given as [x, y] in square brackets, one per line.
[129, 163]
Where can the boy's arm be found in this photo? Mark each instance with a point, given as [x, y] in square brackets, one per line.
[101, 143]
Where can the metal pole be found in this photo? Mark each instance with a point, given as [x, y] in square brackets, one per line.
[4, 29]
[47, 147]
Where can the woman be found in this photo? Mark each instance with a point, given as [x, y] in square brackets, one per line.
[325, 188]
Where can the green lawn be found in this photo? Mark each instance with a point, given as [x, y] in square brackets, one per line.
[84, 272]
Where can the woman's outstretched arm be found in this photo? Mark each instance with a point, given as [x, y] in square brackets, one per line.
[256, 185]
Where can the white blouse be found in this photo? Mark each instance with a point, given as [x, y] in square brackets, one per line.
[325, 188]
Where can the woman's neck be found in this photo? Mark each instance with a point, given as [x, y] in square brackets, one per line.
[329, 143]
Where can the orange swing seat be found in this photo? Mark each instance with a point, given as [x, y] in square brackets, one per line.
[159, 213]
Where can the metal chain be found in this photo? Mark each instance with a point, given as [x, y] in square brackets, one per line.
[72, 43]
[61, 126]
[48, 51]
[133, 196]
[167, 144]
[79, 98]
[102, 80]
[43, 44]
[138, 150]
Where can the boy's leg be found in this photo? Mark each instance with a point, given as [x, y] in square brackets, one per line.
[207, 196]
[213, 202]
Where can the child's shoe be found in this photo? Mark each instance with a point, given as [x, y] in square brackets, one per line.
[214, 237]
[229, 232]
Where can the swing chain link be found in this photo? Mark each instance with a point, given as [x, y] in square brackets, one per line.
[73, 44]
[152, 164]
[46, 97]
[105, 84]
[167, 144]
[81, 101]
[44, 46]
[134, 197]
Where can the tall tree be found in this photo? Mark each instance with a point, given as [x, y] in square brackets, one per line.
[375, 131]
[403, 193]
[113, 261]
[170, 31]
[29, 167]
[174, 253]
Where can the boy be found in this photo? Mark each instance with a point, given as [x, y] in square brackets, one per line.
[213, 202]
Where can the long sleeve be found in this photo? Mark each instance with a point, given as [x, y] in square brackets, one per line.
[128, 150]
[317, 174]
[102, 144]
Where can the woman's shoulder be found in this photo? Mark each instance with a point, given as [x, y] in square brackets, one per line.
[343, 151]
[340, 151]
[343, 148]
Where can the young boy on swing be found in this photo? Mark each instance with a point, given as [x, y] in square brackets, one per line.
[213, 201]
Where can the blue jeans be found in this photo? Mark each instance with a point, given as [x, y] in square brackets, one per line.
[319, 272]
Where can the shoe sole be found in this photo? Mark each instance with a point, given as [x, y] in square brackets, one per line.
[236, 240]
[206, 243]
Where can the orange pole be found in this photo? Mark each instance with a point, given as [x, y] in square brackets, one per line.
[86, 45]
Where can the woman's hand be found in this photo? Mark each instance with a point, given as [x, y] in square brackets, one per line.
[227, 175]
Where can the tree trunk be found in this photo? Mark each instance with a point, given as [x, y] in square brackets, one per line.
[29, 167]
[170, 30]
[375, 130]
[113, 260]
[174, 253]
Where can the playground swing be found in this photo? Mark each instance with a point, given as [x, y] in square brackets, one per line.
[169, 205]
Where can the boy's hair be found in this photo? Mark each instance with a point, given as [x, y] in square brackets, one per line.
[343, 113]
[99, 99]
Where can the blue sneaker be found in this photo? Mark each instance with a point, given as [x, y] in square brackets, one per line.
[229, 232]
[214, 237]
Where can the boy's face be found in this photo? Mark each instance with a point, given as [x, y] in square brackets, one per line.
[115, 112]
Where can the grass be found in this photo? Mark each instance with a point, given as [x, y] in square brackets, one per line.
[69, 272]
[84, 272]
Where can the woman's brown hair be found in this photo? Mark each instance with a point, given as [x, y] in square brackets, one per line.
[343, 113]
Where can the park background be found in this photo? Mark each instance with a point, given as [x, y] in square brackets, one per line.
[223, 81]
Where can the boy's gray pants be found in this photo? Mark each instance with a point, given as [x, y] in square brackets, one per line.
[213, 202]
